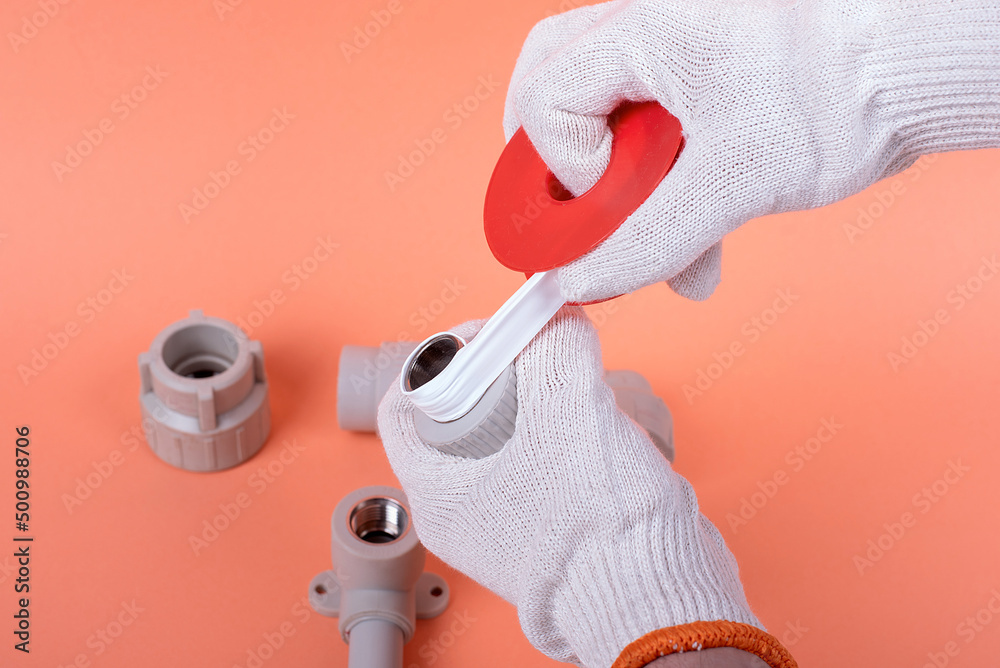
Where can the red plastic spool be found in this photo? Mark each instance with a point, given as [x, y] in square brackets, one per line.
[533, 224]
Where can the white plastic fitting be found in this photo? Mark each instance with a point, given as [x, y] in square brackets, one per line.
[378, 587]
[204, 395]
[445, 375]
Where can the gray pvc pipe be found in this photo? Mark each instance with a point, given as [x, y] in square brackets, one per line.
[363, 379]
[375, 643]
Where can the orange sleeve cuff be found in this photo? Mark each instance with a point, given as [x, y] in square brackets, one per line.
[704, 635]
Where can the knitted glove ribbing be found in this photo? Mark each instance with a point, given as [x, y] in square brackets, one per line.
[785, 105]
[579, 521]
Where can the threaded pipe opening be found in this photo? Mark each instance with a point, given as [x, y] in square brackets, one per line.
[435, 355]
[378, 520]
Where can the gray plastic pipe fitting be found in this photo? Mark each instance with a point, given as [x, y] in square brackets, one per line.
[204, 395]
[363, 378]
[366, 373]
[378, 587]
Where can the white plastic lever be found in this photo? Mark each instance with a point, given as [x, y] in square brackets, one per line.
[453, 392]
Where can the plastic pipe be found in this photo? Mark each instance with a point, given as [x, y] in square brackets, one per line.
[378, 587]
[375, 643]
[364, 376]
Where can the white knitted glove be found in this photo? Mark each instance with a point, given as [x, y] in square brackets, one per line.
[784, 104]
[579, 521]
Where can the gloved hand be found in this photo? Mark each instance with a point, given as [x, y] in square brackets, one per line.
[579, 521]
[784, 104]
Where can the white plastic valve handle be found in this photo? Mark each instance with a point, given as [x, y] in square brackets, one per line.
[453, 392]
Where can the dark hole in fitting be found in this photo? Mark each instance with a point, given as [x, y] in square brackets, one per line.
[378, 520]
[379, 537]
[431, 361]
[200, 351]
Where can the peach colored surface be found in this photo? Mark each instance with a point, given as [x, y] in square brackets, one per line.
[173, 91]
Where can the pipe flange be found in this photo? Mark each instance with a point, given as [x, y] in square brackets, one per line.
[204, 394]
[379, 566]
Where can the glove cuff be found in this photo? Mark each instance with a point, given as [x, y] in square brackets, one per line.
[705, 635]
[936, 73]
[660, 564]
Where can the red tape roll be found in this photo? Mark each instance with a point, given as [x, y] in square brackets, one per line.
[532, 223]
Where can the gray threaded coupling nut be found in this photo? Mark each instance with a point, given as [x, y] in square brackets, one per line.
[204, 394]
[378, 587]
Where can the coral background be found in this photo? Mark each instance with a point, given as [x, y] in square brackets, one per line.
[118, 118]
